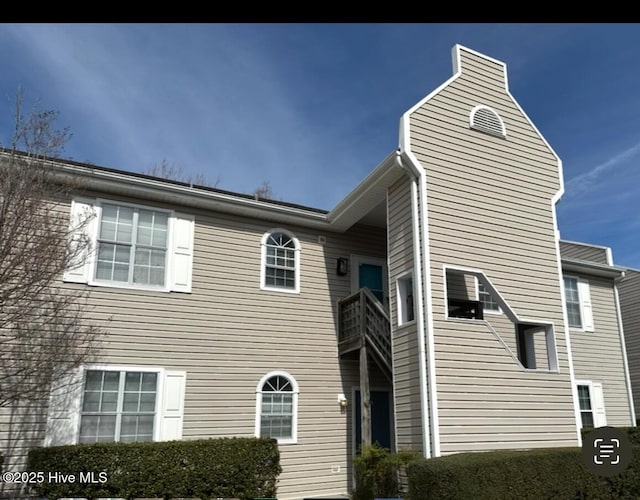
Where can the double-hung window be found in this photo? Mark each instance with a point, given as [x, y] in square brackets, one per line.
[280, 261]
[118, 406]
[572, 299]
[577, 297]
[591, 402]
[276, 407]
[586, 411]
[132, 245]
[116, 403]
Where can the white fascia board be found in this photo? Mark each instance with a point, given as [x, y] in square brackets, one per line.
[366, 195]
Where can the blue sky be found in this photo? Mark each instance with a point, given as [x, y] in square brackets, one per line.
[313, 108]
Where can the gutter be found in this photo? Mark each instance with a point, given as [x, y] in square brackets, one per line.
[193, 196]
[593, 268]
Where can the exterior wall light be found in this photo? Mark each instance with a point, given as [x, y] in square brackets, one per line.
[342, 266]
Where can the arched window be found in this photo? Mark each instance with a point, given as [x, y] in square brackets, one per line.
[277, 407]
[280, 268]
[486, 120]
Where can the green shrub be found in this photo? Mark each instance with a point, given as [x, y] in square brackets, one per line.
[553, 474]
[633, 433]
[378, 472]
[207, 468]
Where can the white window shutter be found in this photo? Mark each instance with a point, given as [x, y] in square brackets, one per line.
[585, 305]
[599, 414]
[182, 253]
[172, 405]
[80, 210]
[64, 409]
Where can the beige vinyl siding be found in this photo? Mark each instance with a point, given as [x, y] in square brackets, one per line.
[596, 353]
[408, 415]
[579, 251]
[629, 292]
[228, 333]
[505, 329]
[21, 428]
[489, 209]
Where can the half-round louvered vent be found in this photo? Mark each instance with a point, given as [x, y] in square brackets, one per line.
[487, 120]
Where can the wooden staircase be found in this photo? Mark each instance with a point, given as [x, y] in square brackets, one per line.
[363, 321]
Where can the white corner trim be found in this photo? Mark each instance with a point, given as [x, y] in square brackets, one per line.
[567, 335]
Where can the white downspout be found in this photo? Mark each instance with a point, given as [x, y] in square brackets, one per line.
[431, 348]
[422, 355]
[627, 377]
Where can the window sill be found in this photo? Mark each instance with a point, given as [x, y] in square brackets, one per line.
[407, 324]
[287, 441]
[281, 290]
[494, 313]
[126, 286]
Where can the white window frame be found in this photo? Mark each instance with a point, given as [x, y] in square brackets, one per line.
[95, 239]
[484, 309]
[263, 262]
[599, 417]
[65, 403]
[584, 303]
[180, 247]
[401, 297]
[294, 417]
[160, 372]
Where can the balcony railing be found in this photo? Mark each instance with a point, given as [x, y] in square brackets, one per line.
[362, 319]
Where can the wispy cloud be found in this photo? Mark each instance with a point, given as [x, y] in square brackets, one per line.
[583, 183]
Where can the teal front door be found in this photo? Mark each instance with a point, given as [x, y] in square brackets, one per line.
[370, 276]
[380, 419]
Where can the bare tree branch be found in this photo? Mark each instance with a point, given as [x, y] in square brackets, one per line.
[44, 329]
[264, 191]
[166, 170]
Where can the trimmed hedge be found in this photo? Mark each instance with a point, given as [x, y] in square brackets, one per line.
[208, 468]
[553, 474]
[633, 433]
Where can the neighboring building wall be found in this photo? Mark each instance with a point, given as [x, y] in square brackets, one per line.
[408, 415]
[490, 209]
[598, 355]
[228, 333]
[579, 251]
[629, 290]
